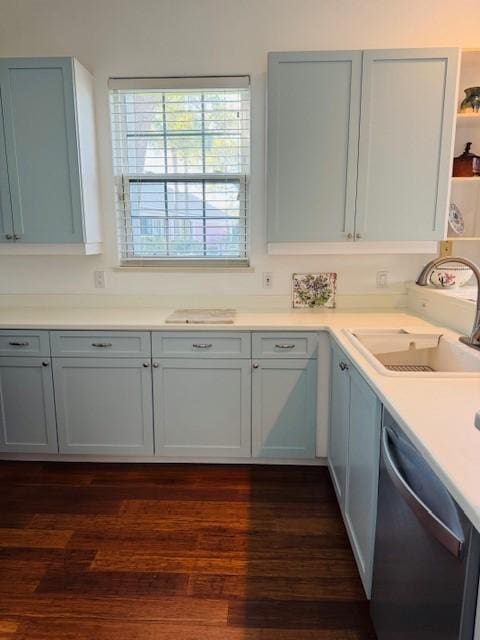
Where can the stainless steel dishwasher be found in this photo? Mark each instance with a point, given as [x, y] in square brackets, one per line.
[426, 563]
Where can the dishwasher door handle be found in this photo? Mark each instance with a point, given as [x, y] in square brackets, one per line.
[424, 515]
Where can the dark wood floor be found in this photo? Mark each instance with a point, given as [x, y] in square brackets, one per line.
[174, 552]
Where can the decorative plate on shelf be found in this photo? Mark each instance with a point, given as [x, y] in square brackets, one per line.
[313, 290]
[455, 219]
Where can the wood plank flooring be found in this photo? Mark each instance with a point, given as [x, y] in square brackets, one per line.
[175, 552]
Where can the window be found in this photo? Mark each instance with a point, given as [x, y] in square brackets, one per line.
[181, 152]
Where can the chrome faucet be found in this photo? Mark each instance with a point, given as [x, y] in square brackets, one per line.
[474, 339]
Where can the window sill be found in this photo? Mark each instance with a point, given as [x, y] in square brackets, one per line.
[186, 269]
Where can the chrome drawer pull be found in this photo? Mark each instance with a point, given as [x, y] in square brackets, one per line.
[285, 346]
[343, 366]
[19, 344]
[101, 344]
[202, 345]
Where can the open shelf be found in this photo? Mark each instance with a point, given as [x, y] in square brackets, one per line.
[471, 179]
[464, 238]
[465, 191]
[468, 119]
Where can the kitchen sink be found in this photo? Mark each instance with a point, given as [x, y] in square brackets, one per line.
[399, 352]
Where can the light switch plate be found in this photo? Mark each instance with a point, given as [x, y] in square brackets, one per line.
[267, 280]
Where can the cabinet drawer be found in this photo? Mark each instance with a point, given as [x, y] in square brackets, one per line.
[287, 344]
[205, 344]
[24, 343]
[111, 344]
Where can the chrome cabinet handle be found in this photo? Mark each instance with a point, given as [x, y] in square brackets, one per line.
[155, 365]
[202, 345]
[17, 237]
[145, 365]
[8, 236]
[424, 515]
[16, 343]
[285, 346]
[343, 366]
[45, 363]
[358, 236]
[349, 236]
[101, 344]
[255, 365]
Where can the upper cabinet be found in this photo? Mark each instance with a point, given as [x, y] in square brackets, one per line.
[48, 167]
[360, 147]
[313, 115]
[406, 134]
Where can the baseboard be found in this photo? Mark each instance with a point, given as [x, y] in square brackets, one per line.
[53, 457]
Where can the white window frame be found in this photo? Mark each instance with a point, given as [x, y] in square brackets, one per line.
[122, 182]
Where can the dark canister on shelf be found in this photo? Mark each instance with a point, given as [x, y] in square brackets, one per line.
[466, 165]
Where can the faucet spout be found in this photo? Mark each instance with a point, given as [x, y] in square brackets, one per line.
[474, 339]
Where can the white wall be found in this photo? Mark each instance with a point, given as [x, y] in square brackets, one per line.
[190, 37]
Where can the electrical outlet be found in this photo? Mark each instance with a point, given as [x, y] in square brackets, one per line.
[446, 248]
[382, 279]
[267, 280]
[99, 279]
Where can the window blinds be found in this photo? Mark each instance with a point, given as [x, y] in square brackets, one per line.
[181, 161]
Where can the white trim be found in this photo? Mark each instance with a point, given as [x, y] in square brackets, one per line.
[55, 457]
[145, 266]
[178, 82]
[87, 153]
[26, 249]
[347, 248]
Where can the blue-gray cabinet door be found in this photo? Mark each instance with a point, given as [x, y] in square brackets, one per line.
[202, 407]
[313, 121]
[6, 219]
[284, 408]
[362, 474]
[339, 422]
[104, 405]
[38, 102]
[405, 150]
[27, 408]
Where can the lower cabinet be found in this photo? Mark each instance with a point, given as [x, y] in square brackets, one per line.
[201, 396]
[27, 407]
[362, 474]
[202, 407]
[339, 422]
[284, 408]
[104, 405]
[353, 458]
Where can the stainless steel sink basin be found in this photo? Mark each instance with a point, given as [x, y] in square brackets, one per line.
[398, 352]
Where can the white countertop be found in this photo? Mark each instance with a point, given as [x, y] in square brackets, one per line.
[436, 413]
[151, 318]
